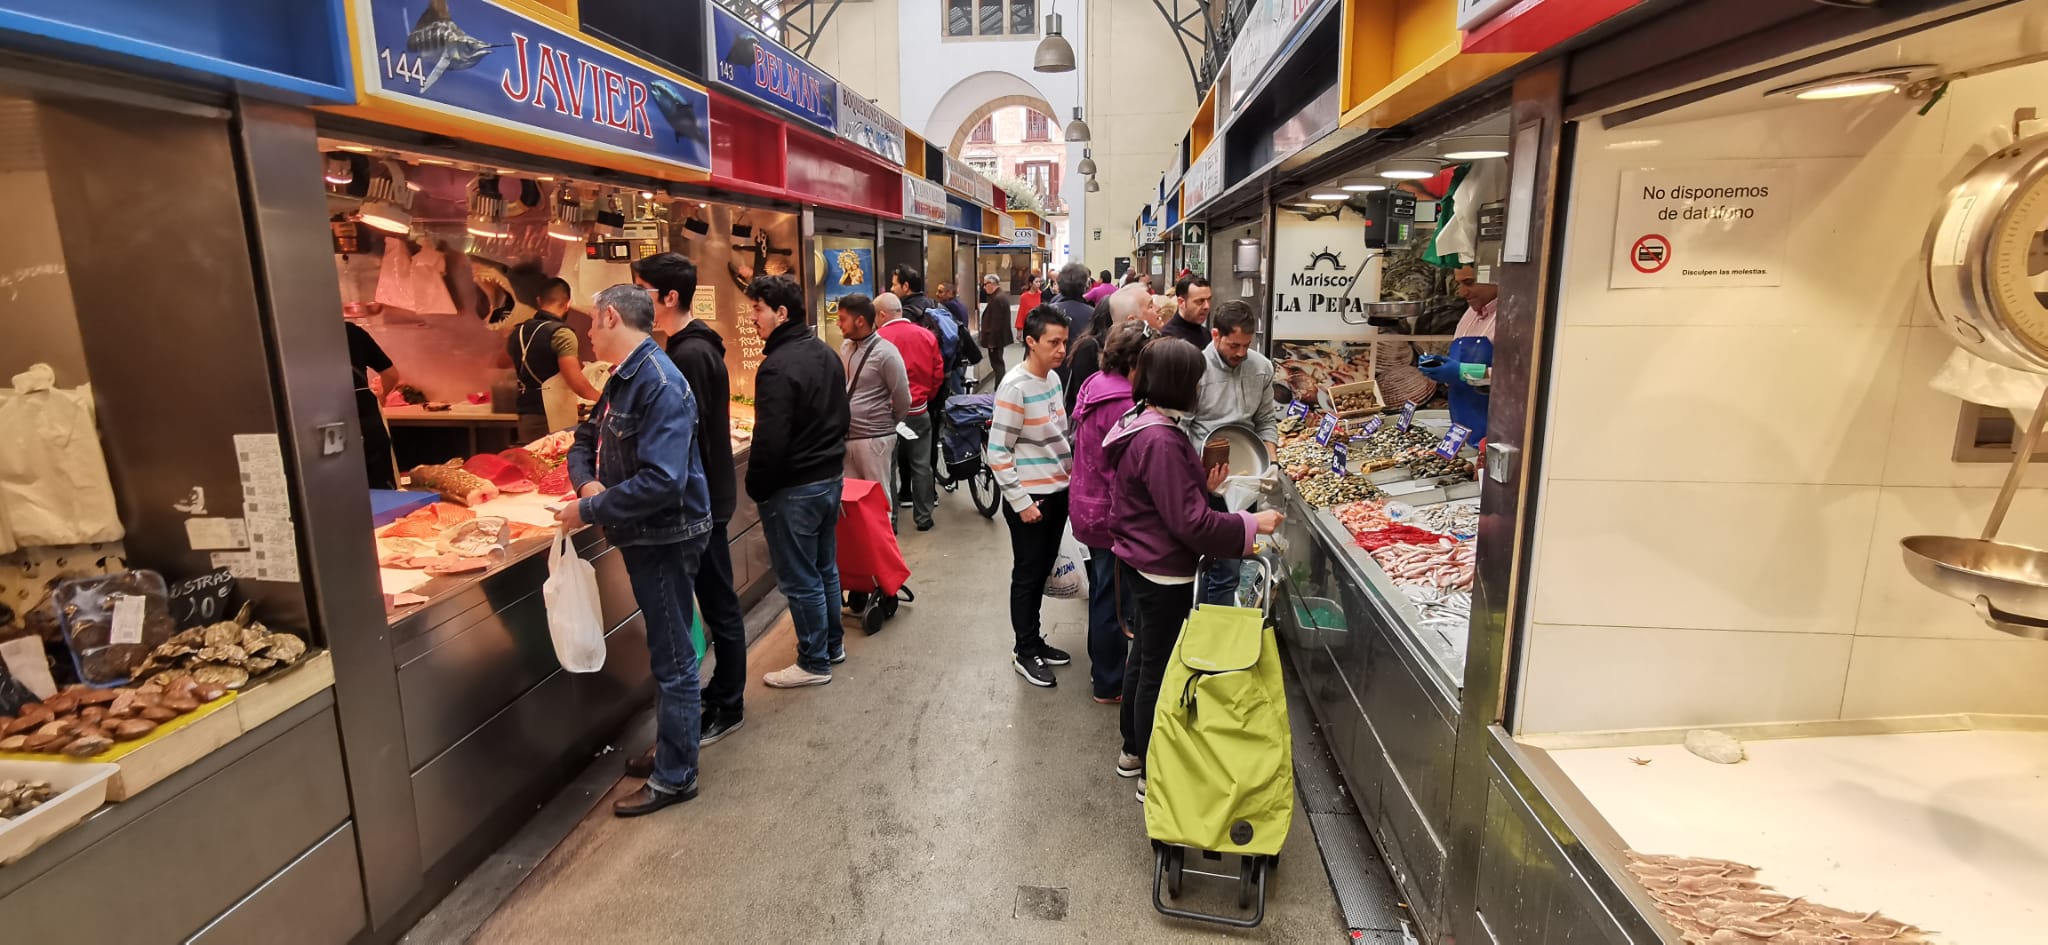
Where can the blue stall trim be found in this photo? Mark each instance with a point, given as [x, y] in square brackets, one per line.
[198, 44]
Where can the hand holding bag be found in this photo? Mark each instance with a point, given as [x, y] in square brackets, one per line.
[575, 621]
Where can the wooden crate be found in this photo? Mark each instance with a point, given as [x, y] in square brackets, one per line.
[268, 699]
[1369, 387]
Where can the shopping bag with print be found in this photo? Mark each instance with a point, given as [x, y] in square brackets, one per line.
[1065, 581]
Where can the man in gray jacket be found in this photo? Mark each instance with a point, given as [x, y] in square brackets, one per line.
[1237, 387]
[877, 392]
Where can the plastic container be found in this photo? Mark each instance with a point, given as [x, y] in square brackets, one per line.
[81, 788]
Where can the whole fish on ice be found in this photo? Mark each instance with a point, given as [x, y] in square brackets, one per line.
[435, 36]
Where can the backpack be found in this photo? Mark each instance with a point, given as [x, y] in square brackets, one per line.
[941, 322]
[970, 350]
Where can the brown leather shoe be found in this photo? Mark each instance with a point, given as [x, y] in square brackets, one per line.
[648, 799]
[642, 766]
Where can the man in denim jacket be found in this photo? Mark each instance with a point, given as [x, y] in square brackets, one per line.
[638, 474]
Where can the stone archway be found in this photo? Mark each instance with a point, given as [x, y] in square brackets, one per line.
[976, 97]
[959, 143]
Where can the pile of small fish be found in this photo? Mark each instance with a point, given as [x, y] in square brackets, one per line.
[1447, 518]
[1446, 610]
[20, 797]
[1445, 471]
[1716, 902]
[1303, 460]
[1445, 564]
[1327, 488]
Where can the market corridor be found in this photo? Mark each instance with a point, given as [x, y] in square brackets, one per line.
[926, 794]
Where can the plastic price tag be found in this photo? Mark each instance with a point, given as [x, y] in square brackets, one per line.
[1453, 441]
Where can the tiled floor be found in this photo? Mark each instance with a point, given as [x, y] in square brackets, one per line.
[926, 795]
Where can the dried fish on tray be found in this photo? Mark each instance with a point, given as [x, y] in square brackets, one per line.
[1719, 902]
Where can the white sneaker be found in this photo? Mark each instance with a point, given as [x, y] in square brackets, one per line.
[1141, 791]
[1129, 765]
[795, 677]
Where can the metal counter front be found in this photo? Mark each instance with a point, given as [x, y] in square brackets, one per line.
[1390, 720]
[492, 723]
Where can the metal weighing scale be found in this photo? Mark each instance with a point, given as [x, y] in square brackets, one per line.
[1984, 255]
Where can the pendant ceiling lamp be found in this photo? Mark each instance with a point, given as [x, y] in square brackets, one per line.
[1054, 53]
[1092, 185]
[1087, 165]
[1078, 131]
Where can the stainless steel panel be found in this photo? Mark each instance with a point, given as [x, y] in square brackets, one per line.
[317, 900]
[457, 676]
[228, 833]
[280, 164]
[745, 514]
[1418, 742]
[132, 245]
[1514, 412]
[1530, 892]
[530, 748]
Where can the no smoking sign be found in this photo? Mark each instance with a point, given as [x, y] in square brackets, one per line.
[1650, 254]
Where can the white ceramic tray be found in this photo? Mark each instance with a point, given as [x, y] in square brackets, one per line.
[81, 787]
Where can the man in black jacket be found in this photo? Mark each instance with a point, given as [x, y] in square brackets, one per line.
[699, 353]
[800, 422]
[996, 334]
[1073, 284]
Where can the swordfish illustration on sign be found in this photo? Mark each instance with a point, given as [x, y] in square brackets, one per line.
[435, 36]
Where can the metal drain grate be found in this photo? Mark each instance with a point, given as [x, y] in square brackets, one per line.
[1048, 903]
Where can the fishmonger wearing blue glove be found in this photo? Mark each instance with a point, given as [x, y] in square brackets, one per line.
[1467, 371]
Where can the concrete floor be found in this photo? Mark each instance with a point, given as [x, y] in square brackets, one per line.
[927, 793]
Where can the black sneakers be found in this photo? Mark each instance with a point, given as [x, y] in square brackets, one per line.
[1054, 655]
[717, 728]
[1034, 670]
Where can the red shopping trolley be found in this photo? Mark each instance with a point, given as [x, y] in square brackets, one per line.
[871, 568]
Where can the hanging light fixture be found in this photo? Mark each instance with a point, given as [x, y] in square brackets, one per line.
[388, 207]
[1078, 131]
[1087, 165]
[1054, 53]
[1410, 169]
[338, 169]
[1092, 185]
[487, 210]
[565, 221]
[1473, 147]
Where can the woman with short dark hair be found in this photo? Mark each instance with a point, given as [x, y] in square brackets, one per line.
[1104, 399]
[1162, 526]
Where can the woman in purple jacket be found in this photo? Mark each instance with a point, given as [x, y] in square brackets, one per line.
[1104, 398]
[1162, 526]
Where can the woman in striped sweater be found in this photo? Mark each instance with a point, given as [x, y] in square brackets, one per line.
[1032, 456]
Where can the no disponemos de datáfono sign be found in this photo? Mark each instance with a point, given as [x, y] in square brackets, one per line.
[1720, 223]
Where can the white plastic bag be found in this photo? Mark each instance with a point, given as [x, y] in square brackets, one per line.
[1066, 581]
[1978, 381]
[574, 619]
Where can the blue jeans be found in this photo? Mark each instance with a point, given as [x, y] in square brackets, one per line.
[801, 524]
[661, 576]
[1109, 607]
[1219, 580]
